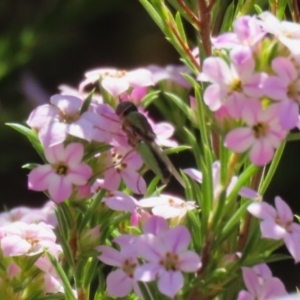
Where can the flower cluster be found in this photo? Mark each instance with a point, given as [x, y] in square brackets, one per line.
[256, 87]
[95, 155]
[163, 252]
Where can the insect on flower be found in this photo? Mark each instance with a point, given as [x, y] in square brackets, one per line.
[142, 138]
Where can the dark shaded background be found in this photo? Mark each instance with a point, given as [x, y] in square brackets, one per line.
[55, 42]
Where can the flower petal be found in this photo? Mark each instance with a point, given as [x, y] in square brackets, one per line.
[59, 188]
[119, 284]
[170, 283]
[38, 178]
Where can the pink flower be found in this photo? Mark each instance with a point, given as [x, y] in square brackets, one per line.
[167, 206]
[261, 135]
[28, 239]
[278, 224]
[115, 200]
[123, 163]
[116, 81]
[54, 122]
[64, 171]
[260, 288]
[285, 87]
[167, 257]
[247, 31]
[121, 281]
[170, 73]
[288, 33]
[229, 80]
[107, 126]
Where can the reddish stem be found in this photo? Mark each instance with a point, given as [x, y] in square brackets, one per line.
[189, 13]
[185, 47]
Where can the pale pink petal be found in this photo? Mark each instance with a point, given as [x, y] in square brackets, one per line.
[261, 152]
[52, 133]
[251, 280]
[275, 88]
[166, 211]
[270, 230]
[110, 256]
[248, 193]
[284, 211]
[262, 210]
[285, 69]
[139, 78]
[138, 93]
[82, 128]
[133, 160]
[194, 174]
[70, 105]
[189, 261]
[288, 113]
[112, 179]
[146, 272]
[153, 201]
[216, 70]
[59, 188]
[155, 225]
[79, 174]
[55, 154]
[252, 111]
[170, 283]
[178, 239]
[213, 97]
[253, 87]
[150, 247]
[164, 130]
[119, 284]
[120, 202]
[292, 242]
[263, 270]
[272, 287]
[244, 295]
[73, 154]
[41, 115]
[38, 178]
[115, 86]
[239, 139]
[134, 181]
[14, 245]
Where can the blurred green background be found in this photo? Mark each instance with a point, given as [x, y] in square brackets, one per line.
[49, 42]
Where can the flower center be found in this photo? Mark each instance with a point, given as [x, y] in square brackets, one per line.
[115, 74]
[285, 225]
[236, 85]
[129, 266]
[117, 160]
[170, 262]
[294, 92]
[61, 169]
[260, 130]
[68, 119]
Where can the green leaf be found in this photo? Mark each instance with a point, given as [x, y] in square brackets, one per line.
[153, 14]
[149, 98]
[177, 149]
[65, 281]
[179, 102]
[30, 166]
[87, 102]
[32, 136]
[180, 26]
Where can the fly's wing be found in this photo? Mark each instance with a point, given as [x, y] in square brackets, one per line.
[139, 126]
[164, 159]
[153, 161]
